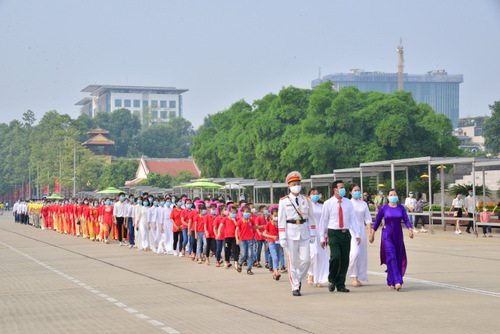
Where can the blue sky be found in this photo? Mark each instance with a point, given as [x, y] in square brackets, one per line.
[224, 51]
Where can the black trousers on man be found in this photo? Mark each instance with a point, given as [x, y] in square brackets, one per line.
[471, 222]
[119, 227]
[340, 246]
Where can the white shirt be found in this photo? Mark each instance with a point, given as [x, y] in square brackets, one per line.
[129, 209]
[167, 210]
[469, 203]
[362, 211]
[287, 210]
[330, 217]
[119, 209]
[457, 203]
[410, 202]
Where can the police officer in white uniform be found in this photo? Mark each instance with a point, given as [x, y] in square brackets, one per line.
[296, 229]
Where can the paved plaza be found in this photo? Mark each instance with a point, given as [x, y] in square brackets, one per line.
[53, 283]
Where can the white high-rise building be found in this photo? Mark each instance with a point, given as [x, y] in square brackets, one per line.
[163, 103]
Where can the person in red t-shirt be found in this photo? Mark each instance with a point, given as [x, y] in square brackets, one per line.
[175, 217]
[198, 226]
[260, 240]
[244, 236]
[187, 218]
[228, 224]
[209, 232]
[219, 234]
[277, 255]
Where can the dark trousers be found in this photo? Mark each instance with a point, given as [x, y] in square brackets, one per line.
[340, 246]
[421, 219]
[210, 246]
[178, 238]
[231, 248]
[471, 223]
[218, 251]
[119, 226]
[131, 231]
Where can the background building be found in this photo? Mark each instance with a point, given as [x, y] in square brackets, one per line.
[436, 88]
[162, 166]
[163, 102]
[470, 133]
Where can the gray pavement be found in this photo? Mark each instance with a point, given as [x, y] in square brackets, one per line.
[52, 283]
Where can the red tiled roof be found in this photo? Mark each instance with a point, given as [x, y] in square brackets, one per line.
[98, 140]
[172, 167]
[133, 182]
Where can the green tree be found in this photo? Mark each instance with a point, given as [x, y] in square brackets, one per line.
[492, 128]
[116, 174]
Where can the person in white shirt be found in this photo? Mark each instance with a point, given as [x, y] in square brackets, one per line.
[130, 221]
[153, 223]
[358, 258]
[471, 203]
[144, 225]
[119, 211]
[410, 204]
[14, 211]
[296, 229]
[318, 271]
[457, 205]
[165, 236]
[339, 218]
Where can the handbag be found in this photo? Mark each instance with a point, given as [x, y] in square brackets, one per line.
[455, 214]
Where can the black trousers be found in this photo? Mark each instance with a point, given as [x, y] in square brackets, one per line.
[119, 227]
[421, 219]
[210, 246]
[340, 246]
[471, 222]
[231, 248]
[178, 238]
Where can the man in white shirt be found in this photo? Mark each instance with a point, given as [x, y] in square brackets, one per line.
[119, 211]
[129, 222]
[410, 204]
[338, 217]
[471, 204]
[14, 212]
[296, 229]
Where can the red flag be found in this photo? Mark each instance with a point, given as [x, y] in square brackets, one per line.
[57, 186]
[27, 190]
[45, 190]
[15, 195]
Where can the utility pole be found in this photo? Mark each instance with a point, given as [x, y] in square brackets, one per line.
[401, 75]
[29, 183]
[60, 171]
[74, 169]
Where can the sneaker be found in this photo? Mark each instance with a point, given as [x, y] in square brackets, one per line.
[459, 232]
[121, 243]
[423, 231]
[415, 231]
[456, 232]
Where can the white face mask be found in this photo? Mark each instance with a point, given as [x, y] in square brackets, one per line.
[275, 218]
[254, 210]
[295, 189]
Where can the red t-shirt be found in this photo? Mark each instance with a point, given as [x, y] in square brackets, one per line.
[245, 230]
[185, 214]
[192, 215]
[208, 221]
[229, 227]
[259, 221]
[217, 222]
[198, 223]
[175, 217]
[271, 229]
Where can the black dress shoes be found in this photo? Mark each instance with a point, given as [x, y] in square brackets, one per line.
[331, 287]
[296, 293]
[300, 286]
[342, 289]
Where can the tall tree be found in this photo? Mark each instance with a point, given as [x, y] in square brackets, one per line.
[492, 128]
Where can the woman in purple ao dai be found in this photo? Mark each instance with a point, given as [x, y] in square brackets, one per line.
[392, 247]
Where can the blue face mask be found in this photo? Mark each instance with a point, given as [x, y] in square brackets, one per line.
[356, 194]
[150, 200]
[79, 202]
[459, 196]
[342, 192]
[393, 199]
[232, 215]
[168, 204]
[122, 198]
[139, 201]
[471, 194]
[181, 203]
[108, 202]
[203, 212]
[156, 203]
[189, 206]
[173, 200]
[315, 198]
[212, 212]
[266, 212]
[247, 214]
[411, 195]
[381, 193]
[132, 200]
[146, 203]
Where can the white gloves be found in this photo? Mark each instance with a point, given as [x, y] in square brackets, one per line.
[313, 239]
[283, 243]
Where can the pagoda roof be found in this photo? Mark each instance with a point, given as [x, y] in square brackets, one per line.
[98, 140]
[97, 131]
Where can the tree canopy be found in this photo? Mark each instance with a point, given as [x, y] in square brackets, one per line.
[317, 130]
[492, 128]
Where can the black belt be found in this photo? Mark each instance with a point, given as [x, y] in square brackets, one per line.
[297, 221]
[343, 230]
